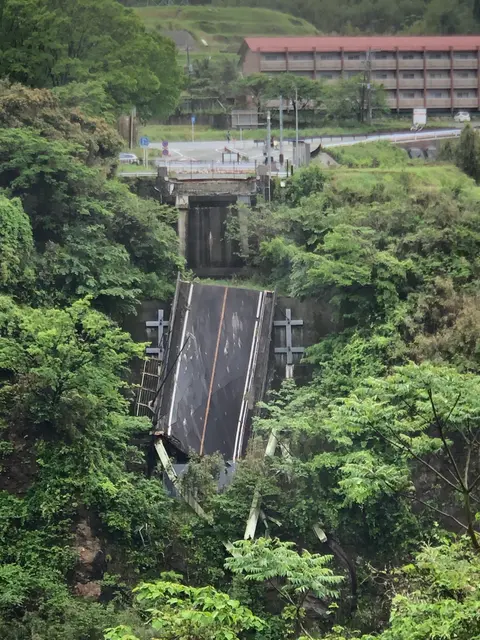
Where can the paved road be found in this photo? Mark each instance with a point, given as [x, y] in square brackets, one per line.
[206, 157]
[212, 151]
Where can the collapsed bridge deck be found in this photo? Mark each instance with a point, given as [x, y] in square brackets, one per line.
[216, 367]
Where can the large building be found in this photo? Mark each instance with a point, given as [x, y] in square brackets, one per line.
[438, 72]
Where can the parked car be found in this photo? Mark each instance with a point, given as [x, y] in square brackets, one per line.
[462, 116]
[128, 158]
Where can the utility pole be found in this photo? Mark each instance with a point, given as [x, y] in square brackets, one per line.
[131, 128]
[369, 86]
[269, 150]
[296, 127]
[280, 115]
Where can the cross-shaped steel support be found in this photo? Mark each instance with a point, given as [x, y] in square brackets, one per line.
[288, 323]
[160, 324]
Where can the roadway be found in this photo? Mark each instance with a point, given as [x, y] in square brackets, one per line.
[206, 156]
[212, 150]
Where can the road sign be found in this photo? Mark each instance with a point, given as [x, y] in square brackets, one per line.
[165, 152]
[165, 144]
[144, 141]
[194, 119]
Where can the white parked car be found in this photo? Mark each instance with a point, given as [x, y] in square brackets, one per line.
[462, 116]
[128, 158]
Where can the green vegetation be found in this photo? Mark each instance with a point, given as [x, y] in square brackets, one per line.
[355, 18]
[45, 43]
[223, 28]
[372, 509]
[370, 154]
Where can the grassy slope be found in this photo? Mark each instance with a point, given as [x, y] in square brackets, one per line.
[223, 28]
[394, 167]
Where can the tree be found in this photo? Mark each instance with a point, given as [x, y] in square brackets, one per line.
[300, 91]
[467, 154]
[213, 79]
[180, 612]
[349, 98]
[435, 596]
[80, 220]
[16, 244]
[292, 575]
[256, 87]
[415, 419]
[68, 113]
[50, 43]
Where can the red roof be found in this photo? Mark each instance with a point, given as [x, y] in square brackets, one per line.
[362, 43]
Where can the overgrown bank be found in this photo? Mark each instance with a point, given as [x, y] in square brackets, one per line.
[382, 444]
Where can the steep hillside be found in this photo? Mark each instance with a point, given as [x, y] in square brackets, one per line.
[223, 28]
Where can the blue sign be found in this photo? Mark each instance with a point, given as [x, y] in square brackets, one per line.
[164, 144]
[144, 141]
[193, 119]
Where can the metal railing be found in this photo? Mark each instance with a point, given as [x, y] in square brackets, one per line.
[205, 170]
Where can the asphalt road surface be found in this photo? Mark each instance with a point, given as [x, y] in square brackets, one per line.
[211, 151]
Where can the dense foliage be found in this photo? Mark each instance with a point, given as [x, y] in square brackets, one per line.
[368, 515]
[380, 16]
[74, 244]
[347, 100]
[52, 43]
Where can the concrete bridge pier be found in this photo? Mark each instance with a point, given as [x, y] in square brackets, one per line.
[182, 204]
[204, 206]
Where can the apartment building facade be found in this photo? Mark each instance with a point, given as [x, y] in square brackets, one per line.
[440, 73]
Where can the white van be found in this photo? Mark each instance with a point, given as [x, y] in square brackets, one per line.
[462, 116]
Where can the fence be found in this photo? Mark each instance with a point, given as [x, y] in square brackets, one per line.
[198, 170]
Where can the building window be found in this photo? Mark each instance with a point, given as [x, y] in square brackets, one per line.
[438, 74]
[465, 94]
[408, 56]
[325, 74]
[274, 56]
[354, 56]
[464, 74]
[438, 94]
[464, 55]
[381, 55]
[301, 56]
[409, 76]
[408, 94]
[330, 56]
[381, 76]
[436, 55]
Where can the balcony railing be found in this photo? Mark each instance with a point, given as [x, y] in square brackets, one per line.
[465, 83]
[438, 103]
[410, 103]
[468, 63]
[417, 63]
[411, 83]
[389, 63]
[465, 102]
[300, 65]
[440, 63]
[438, 83]
[273, 65]
[328, 65]
[355, 65]
[387, 83]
